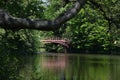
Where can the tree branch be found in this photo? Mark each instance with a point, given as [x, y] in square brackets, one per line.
[9, 22]
[99, 6]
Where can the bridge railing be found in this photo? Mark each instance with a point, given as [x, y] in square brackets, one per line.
[57, 38]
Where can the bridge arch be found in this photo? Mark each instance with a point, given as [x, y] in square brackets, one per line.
[61, 42]
[64, 42]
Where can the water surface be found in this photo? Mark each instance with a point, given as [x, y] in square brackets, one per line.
[71, 67]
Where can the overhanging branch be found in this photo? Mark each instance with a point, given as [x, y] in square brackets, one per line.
[9, 22]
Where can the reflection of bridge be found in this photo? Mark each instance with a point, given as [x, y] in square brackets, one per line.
[62, 41]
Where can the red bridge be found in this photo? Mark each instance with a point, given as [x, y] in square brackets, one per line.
[64, 42]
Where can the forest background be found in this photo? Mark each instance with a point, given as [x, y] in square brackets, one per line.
[95, 29]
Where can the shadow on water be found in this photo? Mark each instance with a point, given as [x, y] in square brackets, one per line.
[70, 67]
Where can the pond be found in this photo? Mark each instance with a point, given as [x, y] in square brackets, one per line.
[71, 67]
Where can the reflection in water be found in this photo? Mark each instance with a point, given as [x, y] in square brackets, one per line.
[56, 63]
[74, 67]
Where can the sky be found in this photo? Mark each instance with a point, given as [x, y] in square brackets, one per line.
[44, 0]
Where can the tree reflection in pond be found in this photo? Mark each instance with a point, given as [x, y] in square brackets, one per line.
[75, 67]
[56, 63]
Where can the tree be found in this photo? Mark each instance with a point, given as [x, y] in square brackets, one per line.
[94, 27]
[86, 31]
[14, 44]
[9, 22]
[109, 9]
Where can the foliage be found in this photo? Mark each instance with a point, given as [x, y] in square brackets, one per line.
[53, 8]
[110, 11]
[94, 29]
[90, 31]
[17, 43]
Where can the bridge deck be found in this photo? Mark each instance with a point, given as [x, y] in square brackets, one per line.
[63, 42]
[66, 41]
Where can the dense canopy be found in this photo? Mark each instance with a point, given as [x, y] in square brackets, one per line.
[9, 22]
[92, 26]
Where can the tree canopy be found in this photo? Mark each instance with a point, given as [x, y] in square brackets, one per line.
[9, 22]
[90, 23]
[93, 26]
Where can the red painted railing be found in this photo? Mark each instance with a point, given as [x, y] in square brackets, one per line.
[62, 41]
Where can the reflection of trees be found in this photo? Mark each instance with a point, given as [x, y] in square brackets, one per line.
[76, 67]
[51, 67]
[55, 62]
[12, 66]
[114, 68]
[85, 68]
